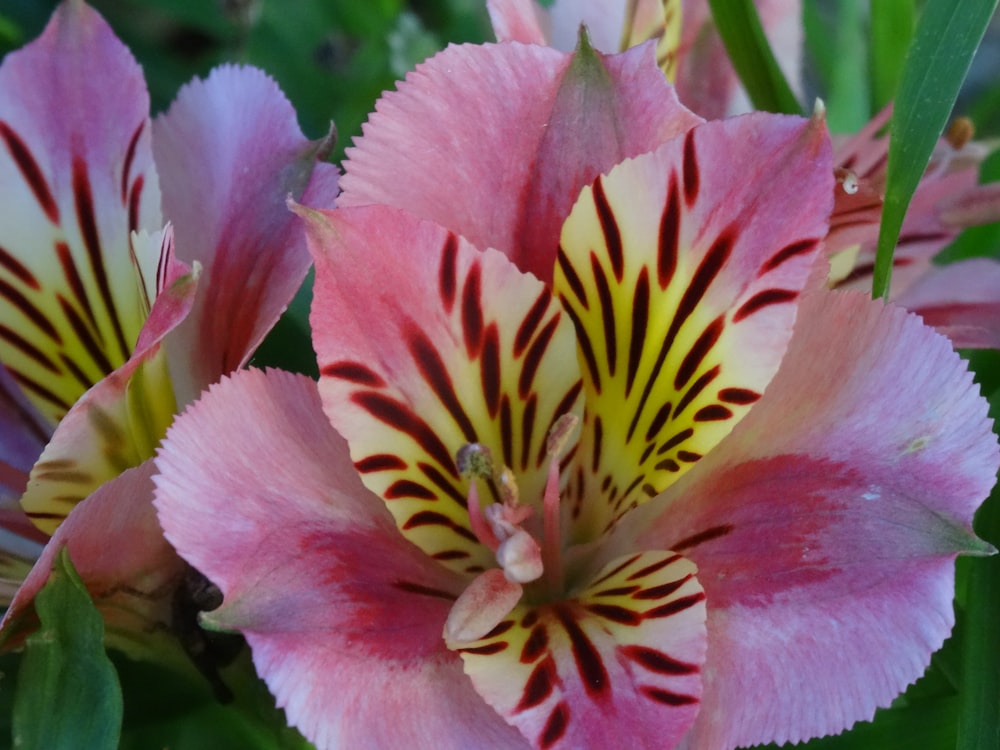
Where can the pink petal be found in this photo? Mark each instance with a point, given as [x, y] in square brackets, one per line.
[682, 271]
[343, 615]
[230, 151]
[619, 665]
[116, 545]
[961, 300]
[518, 21]
[77, 177]
[826, 525]
[426, 345]
[496, 141]
[117, 423]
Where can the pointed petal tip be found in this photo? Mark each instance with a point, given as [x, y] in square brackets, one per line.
[326, 144]
[819, 110]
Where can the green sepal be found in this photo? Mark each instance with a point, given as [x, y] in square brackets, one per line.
[68, 695]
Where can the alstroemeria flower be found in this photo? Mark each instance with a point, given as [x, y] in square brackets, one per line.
[610, 503]
[103, 334]
[960, 299]
[688, 47]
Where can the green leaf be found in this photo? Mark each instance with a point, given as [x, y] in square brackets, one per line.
[741, 32]
[68, 694]
[892, 31]
[847, 95]
[946, 39]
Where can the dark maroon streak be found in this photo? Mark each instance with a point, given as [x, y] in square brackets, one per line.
[38, 389]
[691, 176]
[501, 627]
[30, 171]
[531, 322]
[129, 158]
[447, 275]
[615, 613]
[489, 370]
[616, 570]
[538, 686]
[595, 459]
[84, 335]
[433, 368]
[696, 389]
[589, 664]
[535, 645]
[72, 277]
[353, 372]
[134, 197]
[18, 269]
[569, 273]
[84, 200]
[407, 489]
[76, 371]
[442, 482]
[660, 419]
[533, 358]
[699, 350]
[676, 440]
[740, 396]
[609, 227]
[607, 313]
[32, 352]
[657, 661]
[653, 568]
[666, 697]
[688, 457]
[399, 416]
[472, 311]
[618, 591]
[668, 464]
[585, 347]
[488, 650]
[787, 253]
[640, 320]
[28, 309]
[380, 462]
[419, 588]
[662, 591]
[528, 429]
[764, 299]
[678, 605]
[712, 413]
[670, 230]
[451, 554]
[701, 537]
[432, 518]
[555, 727]
[506, 431]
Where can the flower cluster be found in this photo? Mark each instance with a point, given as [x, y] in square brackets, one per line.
[604, 448]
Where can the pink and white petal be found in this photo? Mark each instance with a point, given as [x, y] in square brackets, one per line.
[519, 21]
[496, 141]
[426, 345]
[23, 434]
[682, 271]
[344, 616]
[117, 423]
[617, 666]
[77, 175]
[961, 300]
[230, 151]
[116, 545]
[825, 528]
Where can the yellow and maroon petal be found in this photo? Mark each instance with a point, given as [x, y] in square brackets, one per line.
[77, 175]
[426, 345]
[681, 270]
[617, 666]
[116, 424]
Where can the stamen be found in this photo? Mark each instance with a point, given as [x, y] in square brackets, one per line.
[556, 443]
[482, 530]
[474, 461]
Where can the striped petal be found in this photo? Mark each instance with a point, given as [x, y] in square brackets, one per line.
[117, 423]
[618, 666]
[343, 615]
[682, 270]
[496, 141]
[426, 345]
[77, 175]
[23, 435]
[230, 151]
[825, 529]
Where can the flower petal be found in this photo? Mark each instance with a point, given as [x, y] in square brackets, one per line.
[117, 548]
[961, 300]
[825, 529]
[682, 270]
[77, 175]
[518, 21]
[620, 665]
[426, 345]
[117, 423]
[23, 435]
[496, 141]
[230, 151]
[343, 615]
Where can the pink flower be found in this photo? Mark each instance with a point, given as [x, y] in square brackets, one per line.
[595, 459]
[104, 332]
